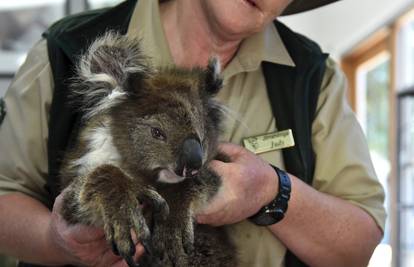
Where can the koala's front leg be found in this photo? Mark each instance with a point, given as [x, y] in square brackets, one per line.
[110, 198]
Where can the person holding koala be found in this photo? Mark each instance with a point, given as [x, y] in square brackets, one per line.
[326, 209]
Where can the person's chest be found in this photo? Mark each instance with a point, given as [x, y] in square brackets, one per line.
[250, 114]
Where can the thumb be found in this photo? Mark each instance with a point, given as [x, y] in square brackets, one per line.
[213, 206]
[217, 166]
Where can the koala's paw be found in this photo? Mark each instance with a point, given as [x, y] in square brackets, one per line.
[129, 217]
[172, 243]
[111, 197]
[118, 226]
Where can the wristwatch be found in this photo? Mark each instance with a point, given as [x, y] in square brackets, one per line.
[275, 210]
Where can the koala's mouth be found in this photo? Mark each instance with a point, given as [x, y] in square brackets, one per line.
[171, 177]
[189, 162]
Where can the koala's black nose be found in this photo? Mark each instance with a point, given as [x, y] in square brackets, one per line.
[191, 158]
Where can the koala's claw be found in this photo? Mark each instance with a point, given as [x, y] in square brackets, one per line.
[118, 225]
[119, 236]
[130, 261]
[114, 248]
[188, 247]
[147, 247]
[116, 251]
[129, 216]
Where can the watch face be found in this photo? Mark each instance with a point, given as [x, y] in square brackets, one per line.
[269, 217]
[266, 220]
[275, 210]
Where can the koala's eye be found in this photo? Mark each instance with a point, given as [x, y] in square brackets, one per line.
[158, 133]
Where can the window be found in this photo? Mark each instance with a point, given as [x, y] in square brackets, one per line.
[381, 75]
[373, 83]
[21, 25]
[22, 22]
[368, 70]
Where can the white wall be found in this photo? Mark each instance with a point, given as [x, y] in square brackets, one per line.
[338, 27]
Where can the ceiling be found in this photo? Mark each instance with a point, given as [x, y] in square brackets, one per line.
[340, 26]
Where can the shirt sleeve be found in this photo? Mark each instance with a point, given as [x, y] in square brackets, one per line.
[343, 164]
[24, 131]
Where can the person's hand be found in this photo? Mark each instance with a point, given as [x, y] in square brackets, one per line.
[248, 184]
[83, 245]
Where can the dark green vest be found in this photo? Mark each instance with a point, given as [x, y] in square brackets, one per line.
[293, 91]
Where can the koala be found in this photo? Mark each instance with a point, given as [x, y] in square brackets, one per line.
[139, 162]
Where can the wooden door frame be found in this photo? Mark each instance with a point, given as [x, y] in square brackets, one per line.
[368, 49]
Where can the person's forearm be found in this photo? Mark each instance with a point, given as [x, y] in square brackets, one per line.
[323, 230]
[24, 230]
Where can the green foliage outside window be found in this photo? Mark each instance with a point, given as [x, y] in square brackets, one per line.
[378, 108]
[7, 261]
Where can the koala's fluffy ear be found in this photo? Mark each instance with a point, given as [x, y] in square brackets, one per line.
[213, 81]
[104, 71]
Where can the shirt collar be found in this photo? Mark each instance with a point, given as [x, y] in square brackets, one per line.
[266, 45]
[274, 49]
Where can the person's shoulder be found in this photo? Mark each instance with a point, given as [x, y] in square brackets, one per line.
[36, 62]
[294, 39]
[71, 22]
[334, 75]
[91, 19]
[38, 53]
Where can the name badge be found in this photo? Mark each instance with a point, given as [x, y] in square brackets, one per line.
[269, 142]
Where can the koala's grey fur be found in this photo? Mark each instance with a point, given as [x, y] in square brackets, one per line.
[129, 169]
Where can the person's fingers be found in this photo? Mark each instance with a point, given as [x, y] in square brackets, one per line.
[229, 149]
[134, 237]
[214, 219]
[121, 263]
[139, 251]
[139, 248]
[86, 234]
[215, 211]
[110, 259]
[57, 205]
[216, 204]
[217, 165]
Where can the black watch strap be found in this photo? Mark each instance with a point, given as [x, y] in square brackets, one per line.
[275, 210]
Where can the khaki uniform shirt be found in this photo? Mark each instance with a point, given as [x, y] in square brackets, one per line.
[343, 166]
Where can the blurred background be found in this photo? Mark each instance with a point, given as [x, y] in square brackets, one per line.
[373, 40]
